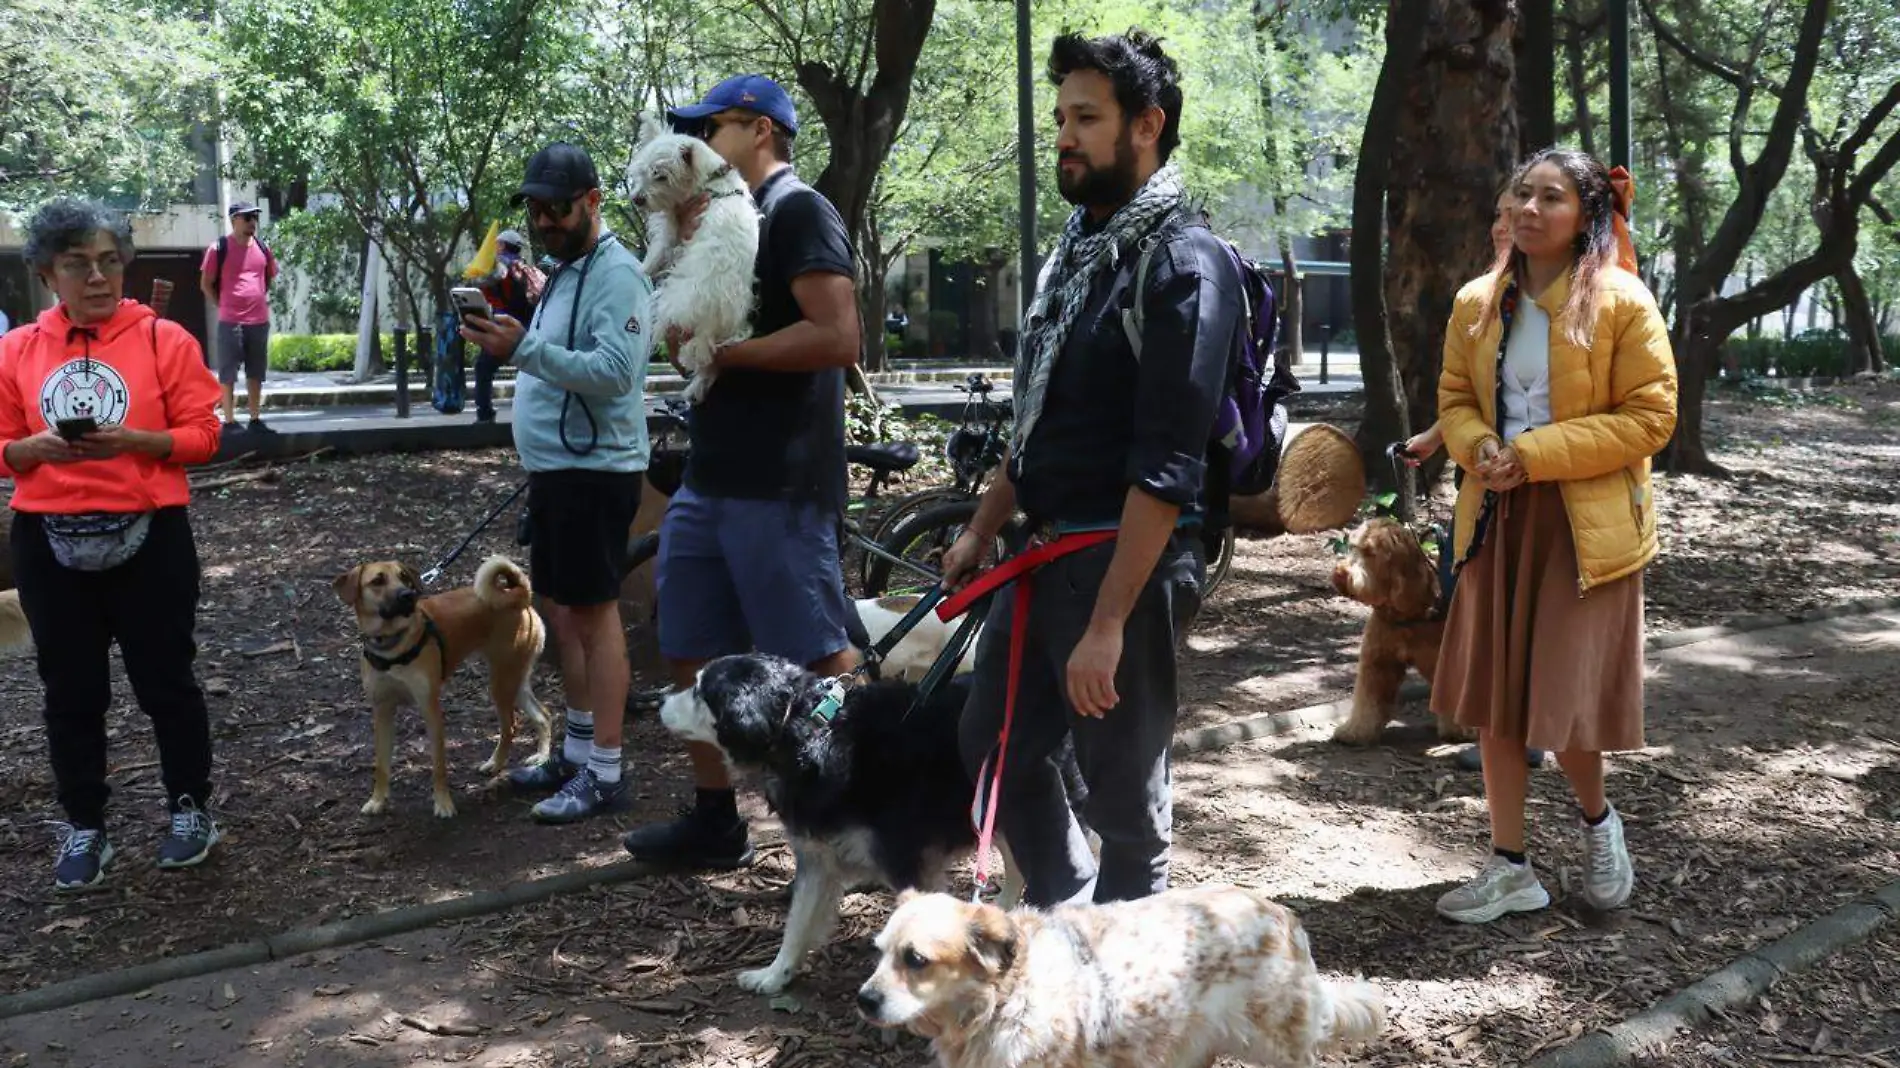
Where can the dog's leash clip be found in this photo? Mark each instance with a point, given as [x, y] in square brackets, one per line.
[833, 703]
[430, 576]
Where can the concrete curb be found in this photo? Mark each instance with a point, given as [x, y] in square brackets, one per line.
[301, 940]
[291, 397]
[1732, 986]
[1793, 952]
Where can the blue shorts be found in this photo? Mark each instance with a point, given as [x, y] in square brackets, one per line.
[735, 575]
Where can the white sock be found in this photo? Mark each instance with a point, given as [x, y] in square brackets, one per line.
[580, 736]
[605, 763]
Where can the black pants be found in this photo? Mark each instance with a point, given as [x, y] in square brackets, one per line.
[485, 366]
[1123, 756]
[150, 605]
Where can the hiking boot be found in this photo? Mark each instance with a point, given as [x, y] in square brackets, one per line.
[83, 856]
[192, 836]
[695, 840]
[256, 426]
[1608, 875]
[582, 796]
[1502, 887]
[543, 778]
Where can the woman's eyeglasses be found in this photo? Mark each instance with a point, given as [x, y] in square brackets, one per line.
[81, 268]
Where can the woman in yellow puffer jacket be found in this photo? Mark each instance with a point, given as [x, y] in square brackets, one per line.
[1559, 385]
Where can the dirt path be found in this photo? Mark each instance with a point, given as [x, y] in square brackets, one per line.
[1812, 517]
[1763, 802]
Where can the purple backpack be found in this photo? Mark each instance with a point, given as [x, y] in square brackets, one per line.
[1250, 427]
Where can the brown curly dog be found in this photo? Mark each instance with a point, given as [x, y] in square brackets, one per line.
[1386, 568]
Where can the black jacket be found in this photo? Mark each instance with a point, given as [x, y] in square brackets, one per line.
[1110, 422]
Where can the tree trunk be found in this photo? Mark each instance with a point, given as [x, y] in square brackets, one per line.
[1534, 55]
[1579, 83]
[861, 123]
[1294, 319]
[1863, 332]
[1385, 418]
[1456, 140]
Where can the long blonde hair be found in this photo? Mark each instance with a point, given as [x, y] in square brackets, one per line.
[1595, 250]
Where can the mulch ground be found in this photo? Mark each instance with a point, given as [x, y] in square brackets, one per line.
[1761, 803]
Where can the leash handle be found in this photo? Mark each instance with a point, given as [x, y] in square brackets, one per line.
[1018, 633]
[430, 576]
[947, 661]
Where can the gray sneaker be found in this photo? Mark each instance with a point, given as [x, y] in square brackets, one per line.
[543, 778]
[1502, 887]
[192, 836]
[83, 856]
[1608, 875]
[582, 796]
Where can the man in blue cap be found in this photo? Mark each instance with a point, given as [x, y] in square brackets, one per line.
[749, 546]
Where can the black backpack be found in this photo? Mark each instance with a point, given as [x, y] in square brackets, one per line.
[224, 245]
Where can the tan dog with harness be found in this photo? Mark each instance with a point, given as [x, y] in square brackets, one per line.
[412, 643]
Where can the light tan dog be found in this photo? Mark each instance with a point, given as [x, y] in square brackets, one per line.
[15, 635]
[1170, 981]
[1386, 567]
[412, 643]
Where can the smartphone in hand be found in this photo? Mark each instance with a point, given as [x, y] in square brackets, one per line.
[76, 428]
[469, 302]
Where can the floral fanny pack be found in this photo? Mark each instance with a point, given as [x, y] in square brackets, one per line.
[96, 541]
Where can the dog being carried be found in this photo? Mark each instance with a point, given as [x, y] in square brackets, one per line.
[1173, 980]
[706, 280]
[411, 644]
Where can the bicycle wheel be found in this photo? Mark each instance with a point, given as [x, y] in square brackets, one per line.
[1219, 564]
[910, 503]
[920, 540]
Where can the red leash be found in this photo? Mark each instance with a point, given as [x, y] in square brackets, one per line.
[1017, 569]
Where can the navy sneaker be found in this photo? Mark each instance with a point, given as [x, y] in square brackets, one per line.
[582, 796]
[1470, 758]
[696, 840]
[543, 778]
[191, 838]
[83, 856]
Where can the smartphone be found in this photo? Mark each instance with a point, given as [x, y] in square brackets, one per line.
[74, 429]
[468, 302]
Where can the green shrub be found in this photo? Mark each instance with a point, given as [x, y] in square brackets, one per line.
[319, 352]
[1810, 354]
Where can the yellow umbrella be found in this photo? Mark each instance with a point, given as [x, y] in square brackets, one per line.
[484, 262]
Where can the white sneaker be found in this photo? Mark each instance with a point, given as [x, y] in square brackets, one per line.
[1608, 875]
[1502, 887]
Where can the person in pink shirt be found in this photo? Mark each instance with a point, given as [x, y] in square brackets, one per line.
[236, 276]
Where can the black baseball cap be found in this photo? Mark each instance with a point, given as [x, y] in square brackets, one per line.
[560, 171]
[243, 207]
[750, 92]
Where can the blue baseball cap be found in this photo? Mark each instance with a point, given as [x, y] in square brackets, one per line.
[752, 92]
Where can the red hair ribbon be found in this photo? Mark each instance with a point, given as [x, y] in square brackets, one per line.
[1622, 195]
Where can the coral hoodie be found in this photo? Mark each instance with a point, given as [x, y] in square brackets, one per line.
[135, 370]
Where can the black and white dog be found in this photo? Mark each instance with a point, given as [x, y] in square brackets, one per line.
[871, 792]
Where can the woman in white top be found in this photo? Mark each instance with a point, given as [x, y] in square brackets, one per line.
[1558, 386]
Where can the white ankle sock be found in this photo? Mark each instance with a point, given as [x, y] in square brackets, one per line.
[580, 736]
[605, 763]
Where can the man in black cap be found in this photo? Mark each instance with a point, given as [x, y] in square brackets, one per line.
[580, 427]
[236, 277]
[749, 546]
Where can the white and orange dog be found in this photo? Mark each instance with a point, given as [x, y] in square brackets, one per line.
[1170, 981]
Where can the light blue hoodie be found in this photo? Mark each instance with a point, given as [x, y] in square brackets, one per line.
[601, 365]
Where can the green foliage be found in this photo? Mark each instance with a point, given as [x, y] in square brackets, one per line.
[100, 99]
[1810, 354]
[325, 248]
[318, 352]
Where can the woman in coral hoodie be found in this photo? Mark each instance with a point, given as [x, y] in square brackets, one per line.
[102, 404]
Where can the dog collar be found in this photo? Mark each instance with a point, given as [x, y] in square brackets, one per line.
[408, 656]
[832, 704]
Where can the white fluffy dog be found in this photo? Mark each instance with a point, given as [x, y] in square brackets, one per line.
[705, 284]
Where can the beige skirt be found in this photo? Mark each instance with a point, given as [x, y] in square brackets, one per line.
[1524, 656]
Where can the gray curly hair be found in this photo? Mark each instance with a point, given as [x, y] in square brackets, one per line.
[68, 223]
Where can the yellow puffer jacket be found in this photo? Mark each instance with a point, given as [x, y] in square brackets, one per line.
[1612, 407]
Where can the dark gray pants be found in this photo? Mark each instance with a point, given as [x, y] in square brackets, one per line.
[1123, 756]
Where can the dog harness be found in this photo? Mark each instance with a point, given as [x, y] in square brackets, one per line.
[1020, 570]
[408, 656]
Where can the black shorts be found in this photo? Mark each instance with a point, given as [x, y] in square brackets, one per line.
[577, 529]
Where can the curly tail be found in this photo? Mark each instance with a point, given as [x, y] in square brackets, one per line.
[501, 584]
[1355, 1012]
